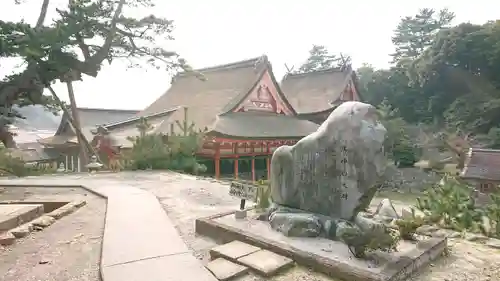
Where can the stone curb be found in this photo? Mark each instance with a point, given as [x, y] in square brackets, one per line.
[45, 220]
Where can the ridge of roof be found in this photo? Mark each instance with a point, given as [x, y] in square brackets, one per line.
[108, 109]
[81, 110]
[134, 119]
[315, 72]
[227, 66]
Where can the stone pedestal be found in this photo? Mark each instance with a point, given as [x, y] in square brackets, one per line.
[324, 255]
[240, 214]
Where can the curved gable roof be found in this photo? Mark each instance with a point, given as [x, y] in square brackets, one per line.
[209, 95]
[315, 91]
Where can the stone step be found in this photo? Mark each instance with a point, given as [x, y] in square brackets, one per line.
[225, 270]
[233, 250]
[13, 215]
[266, 263]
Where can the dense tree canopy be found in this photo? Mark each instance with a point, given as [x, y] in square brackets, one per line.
[76, 43]
[415, 33]
[442, 76]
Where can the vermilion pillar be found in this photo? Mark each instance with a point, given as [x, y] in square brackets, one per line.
[268, 161]
[217, 161]
[268, 167]
[253, 169]
[236, 168]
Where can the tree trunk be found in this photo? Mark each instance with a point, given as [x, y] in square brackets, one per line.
[6, 137]
[70, 119]
[76, 124]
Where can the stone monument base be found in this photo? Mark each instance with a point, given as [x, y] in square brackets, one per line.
[330, 257]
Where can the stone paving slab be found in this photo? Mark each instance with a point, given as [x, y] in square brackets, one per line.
[225, 270]
[136, 227]
[233, 250]
[181, 267]
[266, 262]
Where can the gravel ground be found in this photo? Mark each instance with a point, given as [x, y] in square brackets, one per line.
[65, 251]
[185, 199]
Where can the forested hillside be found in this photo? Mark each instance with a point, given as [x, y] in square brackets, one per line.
[444, 77]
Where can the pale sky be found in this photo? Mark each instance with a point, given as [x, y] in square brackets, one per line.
[216, 32]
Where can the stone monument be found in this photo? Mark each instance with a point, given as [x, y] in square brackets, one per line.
[321, 189]
[323, 182]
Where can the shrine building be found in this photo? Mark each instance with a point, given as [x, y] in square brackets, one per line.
[247, 114]
[244, 112]
[65, 143]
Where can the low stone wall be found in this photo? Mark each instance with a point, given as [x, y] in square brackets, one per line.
[407, 179]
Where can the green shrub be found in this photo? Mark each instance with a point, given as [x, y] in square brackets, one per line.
[12, 166]
[360, 243]
[149, 152]
[404, 154]
[492, 212]
[451, 205]
[156, 152]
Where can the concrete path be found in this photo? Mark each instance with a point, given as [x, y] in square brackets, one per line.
[140, 242]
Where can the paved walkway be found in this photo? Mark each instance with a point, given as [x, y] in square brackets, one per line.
[140, 242]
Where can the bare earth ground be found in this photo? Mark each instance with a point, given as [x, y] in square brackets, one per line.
[68, 250]
[186, 198]
[191, 199]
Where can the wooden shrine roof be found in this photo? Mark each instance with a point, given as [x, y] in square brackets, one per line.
[211, 93]
[252, 125]
[315, 91]
[99, 116]
[91, 117]
[34, 154]
[120, 130]
[482, 164]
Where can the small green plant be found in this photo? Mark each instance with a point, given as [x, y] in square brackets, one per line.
[263, 182]
[263, 196]
[408, 227]
[360, 242]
